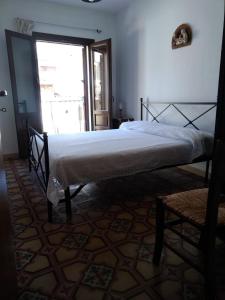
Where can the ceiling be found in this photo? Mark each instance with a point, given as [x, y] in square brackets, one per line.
[112, 6]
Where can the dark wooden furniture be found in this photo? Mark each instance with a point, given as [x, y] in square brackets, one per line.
[116, 122]
[8, 285]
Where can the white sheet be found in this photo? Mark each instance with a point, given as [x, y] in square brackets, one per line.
[94, 156]
[201, 141]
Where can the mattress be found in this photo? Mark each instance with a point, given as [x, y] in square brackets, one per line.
[134, 147]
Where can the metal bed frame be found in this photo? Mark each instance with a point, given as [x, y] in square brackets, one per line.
[40, 162]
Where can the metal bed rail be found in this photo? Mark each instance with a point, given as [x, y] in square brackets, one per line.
[38, 158]
[176, 105]
[148, 104]
[38, 155]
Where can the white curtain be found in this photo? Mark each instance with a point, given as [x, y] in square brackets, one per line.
[24, 26]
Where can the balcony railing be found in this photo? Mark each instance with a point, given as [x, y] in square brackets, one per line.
[63, 116]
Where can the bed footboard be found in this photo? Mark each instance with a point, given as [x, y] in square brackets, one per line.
[38, 156]
[38, 159]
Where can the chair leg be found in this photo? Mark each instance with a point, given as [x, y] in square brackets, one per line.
[206, 180]
[29, 164]
[210, 280]
[68, 204]
[49, 211]
[202, 240]
[160, 219]
[210, 269]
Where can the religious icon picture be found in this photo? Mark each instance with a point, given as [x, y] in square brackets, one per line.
[182, 36]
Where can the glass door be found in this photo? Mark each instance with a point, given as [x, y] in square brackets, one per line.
[24, 86]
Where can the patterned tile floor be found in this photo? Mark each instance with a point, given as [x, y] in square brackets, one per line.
[106, 251]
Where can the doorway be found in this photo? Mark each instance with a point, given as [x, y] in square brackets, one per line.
[60, 84]
[62, 87]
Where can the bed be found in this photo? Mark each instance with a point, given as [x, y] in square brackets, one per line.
[62, 161]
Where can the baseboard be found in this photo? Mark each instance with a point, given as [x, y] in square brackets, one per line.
[193, 170]
[10, 156]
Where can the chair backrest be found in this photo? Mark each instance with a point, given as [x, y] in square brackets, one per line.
[218, 166]
[217, 184]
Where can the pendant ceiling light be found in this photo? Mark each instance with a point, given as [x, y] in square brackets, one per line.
[91, 1]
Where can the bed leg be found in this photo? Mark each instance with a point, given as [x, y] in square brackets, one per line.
[49, 211]
[207, 172]
[29, 164]
[68, 204]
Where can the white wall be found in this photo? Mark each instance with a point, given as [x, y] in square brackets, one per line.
[52, 13]
[146, 65]
[149, 68]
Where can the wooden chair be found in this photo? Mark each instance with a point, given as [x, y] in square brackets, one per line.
[201, 208]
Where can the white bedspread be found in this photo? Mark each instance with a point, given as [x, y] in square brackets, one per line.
[94, 156]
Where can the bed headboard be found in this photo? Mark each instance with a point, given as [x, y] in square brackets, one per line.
[147, 106]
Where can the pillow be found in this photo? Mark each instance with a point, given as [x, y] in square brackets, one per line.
[201, 141]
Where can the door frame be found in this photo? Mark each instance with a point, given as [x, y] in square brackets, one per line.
[109, 61]
[63, 39]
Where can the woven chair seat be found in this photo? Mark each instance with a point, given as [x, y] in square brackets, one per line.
[192, 205]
